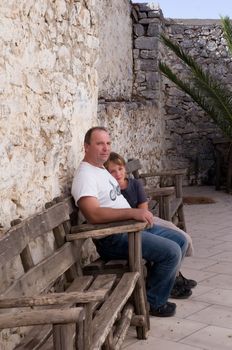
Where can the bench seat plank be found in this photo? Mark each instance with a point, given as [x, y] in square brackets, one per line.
[99, 266]
[109, 311]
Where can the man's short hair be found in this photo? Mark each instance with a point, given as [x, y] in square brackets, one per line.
[88, 135]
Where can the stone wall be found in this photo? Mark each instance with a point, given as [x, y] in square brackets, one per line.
[49, 90]
[147, 50]
[48, 99]
[189, 132]
[136, 124]
[115, 65]
[183, 123]
[135, 130]
[48, 84]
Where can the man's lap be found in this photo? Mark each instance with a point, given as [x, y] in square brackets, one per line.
[157, 244]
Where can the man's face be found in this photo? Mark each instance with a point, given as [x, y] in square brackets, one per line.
[98, 151]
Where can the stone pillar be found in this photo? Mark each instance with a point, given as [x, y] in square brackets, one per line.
[147, 26]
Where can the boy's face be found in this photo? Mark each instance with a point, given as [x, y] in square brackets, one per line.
[118, 172]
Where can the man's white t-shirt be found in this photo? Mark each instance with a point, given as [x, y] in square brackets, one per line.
[97, 182]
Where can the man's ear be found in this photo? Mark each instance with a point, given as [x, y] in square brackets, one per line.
[86, 147]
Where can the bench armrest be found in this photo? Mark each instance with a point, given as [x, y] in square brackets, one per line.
[102, 230]
[54, 299]
[159, 192]
[41, 317]
[167, 172]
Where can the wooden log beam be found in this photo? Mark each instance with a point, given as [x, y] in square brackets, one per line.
[99, 231]
[41, 317]
[55, 299]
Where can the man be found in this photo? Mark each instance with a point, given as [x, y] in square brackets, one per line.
[98, 196]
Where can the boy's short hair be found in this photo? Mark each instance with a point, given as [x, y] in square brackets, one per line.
[115, 158]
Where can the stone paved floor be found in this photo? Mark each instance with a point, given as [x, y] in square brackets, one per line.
[204, 321]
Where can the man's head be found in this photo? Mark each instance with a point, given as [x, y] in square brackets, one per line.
[97, 146]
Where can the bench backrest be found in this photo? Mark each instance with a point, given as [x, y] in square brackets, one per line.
[133, 166]
[18, 243]
[166, 188]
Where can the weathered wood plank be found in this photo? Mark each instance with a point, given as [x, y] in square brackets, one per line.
[17, 238]
[36, 280]
[175, 203]
[99, 266]
[109, 311]
[80, 284]
[165, 172]
[89, 227]
[26, 259]
[123, 326]
[54, 299]
[38, 317]
[133, 165]
[39, 335]
[140, 293]
[116, 228]
[102, 281]
[63, 336]
[157, 192]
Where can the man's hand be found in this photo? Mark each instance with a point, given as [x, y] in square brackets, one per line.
[143, 215]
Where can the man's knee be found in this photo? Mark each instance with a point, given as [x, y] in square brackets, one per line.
[176, 254]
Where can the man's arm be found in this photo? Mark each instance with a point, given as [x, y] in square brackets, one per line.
[96, 215]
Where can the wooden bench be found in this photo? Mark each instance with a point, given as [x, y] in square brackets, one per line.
[223, 158]
[170, 199]
[80, 232]
[67, 309]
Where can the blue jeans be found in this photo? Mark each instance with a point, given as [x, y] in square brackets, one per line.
[164, 248]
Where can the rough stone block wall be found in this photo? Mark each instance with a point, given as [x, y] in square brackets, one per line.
[147, 26]
[135, 130]
[189, 132]
[115, 65]
[135, 124]
[48, 85]
[48, 99]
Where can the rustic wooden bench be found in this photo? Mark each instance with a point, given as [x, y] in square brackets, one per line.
[67, 309]
[170, 199]
[80, 232]
[223, 159]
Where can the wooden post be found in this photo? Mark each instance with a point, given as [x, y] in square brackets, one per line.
[26, 259]
[131, 248]
[88, 331]
[140, 287]
[218, 170]
[229, 170]
[166, 208]
[178, 182]
[63, 335]
[25, 255]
